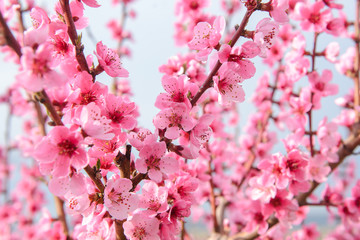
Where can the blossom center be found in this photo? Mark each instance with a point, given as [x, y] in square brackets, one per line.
[87, 98]
[234, 58]
[314, 18]
[258, 217]
[39, 67]
[116, 116]
[153, 162]
[276, 202]
[175, 120]
[140, 233]
[292, 164]
[194, 5]
[67, 147]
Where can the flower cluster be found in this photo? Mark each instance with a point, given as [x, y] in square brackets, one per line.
[118, 180]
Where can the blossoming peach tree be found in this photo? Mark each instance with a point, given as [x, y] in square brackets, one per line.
[113, 179]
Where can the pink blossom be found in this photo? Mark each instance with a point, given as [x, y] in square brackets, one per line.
[226, 84]
[345, 65]
[107, 147]
[173, 120]
[140, 227]
[110, 61]
[313, 19]
[39, 17]
[201, 133]
[120, 111]
[94, 124]
[354, 202]
[296, 67]
[60, 150]
[179, 210]
[308, 232]
[318, 169]
[265, 35]
[77, 204]
[117, 198]
[256, 218]
[183, 188]
[320, 84]
[206, 37]
[141, 138]
[178, 89]
[272, 167]
[262, 187]
[153, 161]
[338, 26]
[37, 73]
[299, 108]
[284, 208]
[274, 54]
[62, 49]
[72, 184]
[328, 135]
[153, 198]
[279, 10]
[189, 7]
[91, 3]
[294, 165]
[86, 91]
[230, 6]
[332, 51]
[237, 58]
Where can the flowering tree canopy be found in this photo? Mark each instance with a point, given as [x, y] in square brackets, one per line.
[112, 178]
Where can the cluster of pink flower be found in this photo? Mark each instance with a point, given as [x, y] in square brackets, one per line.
[83, 137]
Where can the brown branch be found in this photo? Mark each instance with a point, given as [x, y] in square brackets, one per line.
[59, 203]
[122, 161]
[80, 57]
[45, 100]
[95, 178]
[137, 179]
[313, 57]
[10, 39]
[209, 80]
[346, 149]
[216, 228]
[119, 230]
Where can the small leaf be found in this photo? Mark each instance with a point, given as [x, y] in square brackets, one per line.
[98, 164]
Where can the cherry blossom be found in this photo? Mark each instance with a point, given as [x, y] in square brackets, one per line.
[265, 35]
[94, 124]
[153, 161]
[60, 150]
[226, 84]
[312, 17]
[245, 165]
[37, 72]
[118, 199]
[173, 120]
[110, 61]
[206, 37]
[140, 227]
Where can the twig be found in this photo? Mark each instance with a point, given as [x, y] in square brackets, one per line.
[209, 80]
[80, 57]
[119, 230]
[123, 162]
[356, 63]
[10, 39]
